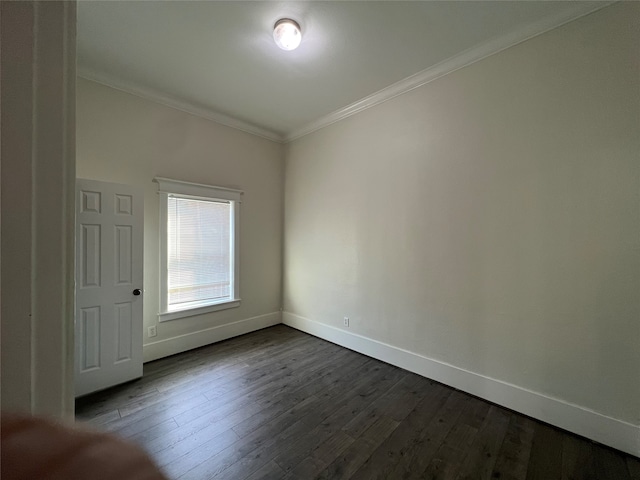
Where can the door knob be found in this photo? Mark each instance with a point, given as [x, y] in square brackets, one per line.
[137, 291]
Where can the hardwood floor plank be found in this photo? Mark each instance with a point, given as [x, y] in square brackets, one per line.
[331, 448]
[577, 459]
[236, 412]
[346, 464]
[210, 465]
[513, 457]
[450, 455]
[235, 349]
[283, 428]
[431, 438]
[279, 403]
[104, 401]
[294, 442]
[228, 412]
[154, 414]
[190, 436]
[244, 458]
[545, 461]
[308, 469]
[138, 408]
[216, 364]
[392, 450]
[423, 450]
[180, 458]
[607, 462]
[633, 465]
[267, 392]
[397, 403]
[365, 391]
[152, 433]
[271, 471]
[229, 377]
[275, 407]
[456, 447]
[101, 418]
[150, 415]
[483, 453]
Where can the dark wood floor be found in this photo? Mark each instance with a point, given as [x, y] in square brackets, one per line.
[282, 404]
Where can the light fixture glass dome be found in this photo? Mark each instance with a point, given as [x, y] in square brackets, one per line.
[287, 34]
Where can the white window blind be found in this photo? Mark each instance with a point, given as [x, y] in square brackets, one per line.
[199, 252]
[199, 248]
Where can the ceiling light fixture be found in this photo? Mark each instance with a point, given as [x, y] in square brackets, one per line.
[287, 34]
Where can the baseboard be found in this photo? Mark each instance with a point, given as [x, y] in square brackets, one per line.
[574, 418]
[188, 341]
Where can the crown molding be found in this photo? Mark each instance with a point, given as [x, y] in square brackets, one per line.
[450, 65]
[173, 102]
[405, 85]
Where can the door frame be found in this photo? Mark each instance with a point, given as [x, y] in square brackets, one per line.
[38, 211]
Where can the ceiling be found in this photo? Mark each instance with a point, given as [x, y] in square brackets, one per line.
[218, 59]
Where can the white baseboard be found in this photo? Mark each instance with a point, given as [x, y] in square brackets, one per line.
[188, 341]
[574, 418]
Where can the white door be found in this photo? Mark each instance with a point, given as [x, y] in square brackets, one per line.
[108, 323]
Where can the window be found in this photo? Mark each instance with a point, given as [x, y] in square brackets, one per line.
[198, 248]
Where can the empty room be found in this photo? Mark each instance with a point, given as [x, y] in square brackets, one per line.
[321, 239]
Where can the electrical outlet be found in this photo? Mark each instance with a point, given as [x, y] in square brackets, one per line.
[151, 331]
[346, 321]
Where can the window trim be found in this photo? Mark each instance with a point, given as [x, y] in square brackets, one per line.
[198, 191]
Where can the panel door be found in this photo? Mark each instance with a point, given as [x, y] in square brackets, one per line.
[109, 291]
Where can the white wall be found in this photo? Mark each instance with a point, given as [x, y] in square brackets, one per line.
[489, 223]
[126, 139]
[38, 178]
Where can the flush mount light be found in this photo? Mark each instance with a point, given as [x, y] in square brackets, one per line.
[287, 34]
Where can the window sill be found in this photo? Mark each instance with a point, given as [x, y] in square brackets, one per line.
[166, 316]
